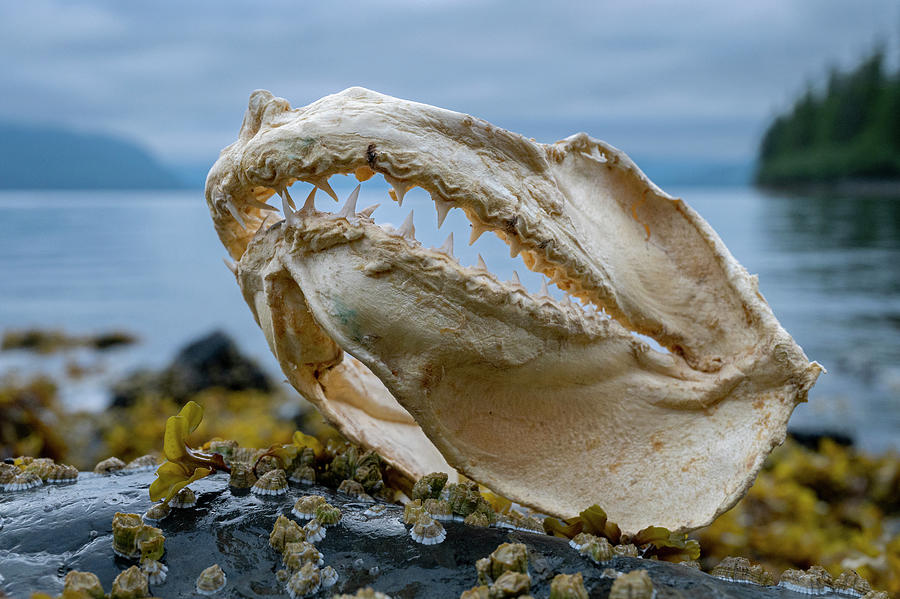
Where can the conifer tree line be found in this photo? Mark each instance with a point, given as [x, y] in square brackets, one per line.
[848, 130]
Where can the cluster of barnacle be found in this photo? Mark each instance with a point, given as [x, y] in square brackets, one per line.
[592, 534]
[504, 574]
[830, 507]
[304, 570]
[813, 581]
[132, 539]
[135, 540]
[434, 501]
[24, 473]
[129, 584]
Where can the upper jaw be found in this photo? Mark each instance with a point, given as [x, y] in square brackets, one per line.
[579, 210]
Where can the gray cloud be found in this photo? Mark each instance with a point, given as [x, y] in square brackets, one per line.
[659, 78]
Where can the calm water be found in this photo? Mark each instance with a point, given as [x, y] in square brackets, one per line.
[149, 262]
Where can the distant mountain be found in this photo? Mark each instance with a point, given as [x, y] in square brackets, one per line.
[193, 173]
[47, 157]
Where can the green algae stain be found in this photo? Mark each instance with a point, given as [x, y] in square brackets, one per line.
[348, 318]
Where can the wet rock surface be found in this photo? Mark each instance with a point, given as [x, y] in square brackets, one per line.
[210, 361]
[47, 531]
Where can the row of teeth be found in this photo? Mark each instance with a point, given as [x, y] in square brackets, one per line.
[406, 230]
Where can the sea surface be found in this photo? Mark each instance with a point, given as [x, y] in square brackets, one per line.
[150, 263]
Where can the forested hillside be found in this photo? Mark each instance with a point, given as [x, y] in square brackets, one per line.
[849, 130]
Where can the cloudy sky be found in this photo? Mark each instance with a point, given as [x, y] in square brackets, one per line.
[657, 78]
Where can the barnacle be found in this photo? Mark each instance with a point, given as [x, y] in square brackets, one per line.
[329, 576]
[61, 474]
[510, 584]
[439, 509]
[412, 511]
[479, 519]
[157, 512]
[155, 570]
[429, 486]
[295, 554]
[507, 557]
[597, 549]
[130, 584]
[183, 499]
[211, 580]
[374, 511]
[183, 465]
[23, 481]
[633, 585]
[568, 586]
[852, 584]
[141, 463]
[125, 529]
[739, 569]
[815, 581]
[286, 531]
[327, 514]
[272, 482]
[82, 584]
[427, 531]
[109, 465]
[354, 489]
[444, 368]
[303, 474]
[241, 476]
[8, 472]
[305, 581]
[626, 550]
[305, 507]
[314, 531]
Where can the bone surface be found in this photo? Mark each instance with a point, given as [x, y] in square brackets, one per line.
[442, 367]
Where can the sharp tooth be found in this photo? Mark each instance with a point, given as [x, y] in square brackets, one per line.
[309, 206]
[399, 187]
[544, 291]
[481, 264]
[367, 212]
[286, 206]
[231, 266]
[407, 229]
[261, 205]
[447, 248]
[515, 279]
[286, 195]
[349, 208]
[477, 229]
[442, 209]
[322, 183]
[514, 246]
[235, 213]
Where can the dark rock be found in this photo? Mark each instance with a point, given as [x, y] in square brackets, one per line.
[211, 361]
[812, 438]
[48, 531]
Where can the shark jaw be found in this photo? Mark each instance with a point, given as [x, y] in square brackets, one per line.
[441, 366]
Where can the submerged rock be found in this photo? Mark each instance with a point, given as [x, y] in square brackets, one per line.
[211, 361]
[49, 531]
